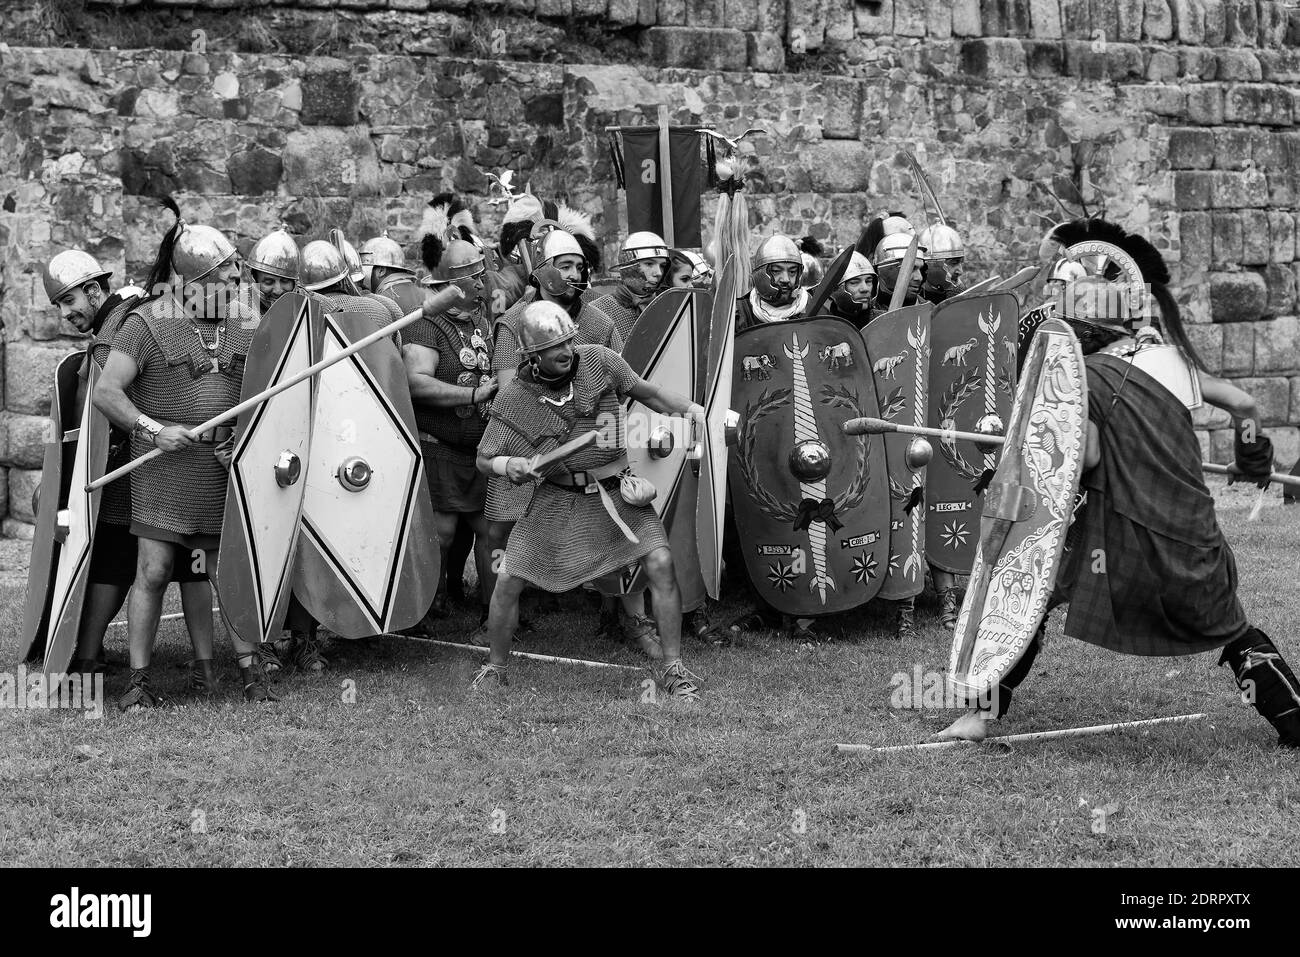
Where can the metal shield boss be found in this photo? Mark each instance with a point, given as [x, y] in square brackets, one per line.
[368, 556]
[898, 347]
[54, 547]
[811, 503]
[259, 532]
[972, 384]
[1027, 510]
[668, 347]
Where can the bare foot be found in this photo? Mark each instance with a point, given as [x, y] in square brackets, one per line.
[969, 727]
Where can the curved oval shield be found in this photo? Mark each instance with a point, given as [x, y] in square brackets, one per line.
[811, 503]
[668, 348]
[710, 505]
[972, 376]
[368, 555]
[56, 470]
[898, 346]
[1027, 511]
[259, 532]
[76, 522]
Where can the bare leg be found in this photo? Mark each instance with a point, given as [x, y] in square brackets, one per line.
[667, 600]
[196, 603]
[102, 603]
[487, 576]
[503, 616]
[153, 571]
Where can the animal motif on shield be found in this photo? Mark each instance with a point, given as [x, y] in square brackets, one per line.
[755, 367]
[798, 482]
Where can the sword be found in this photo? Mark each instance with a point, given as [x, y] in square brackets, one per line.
[439, 301]
[562, 452]
[904, 280]
[1281, 479]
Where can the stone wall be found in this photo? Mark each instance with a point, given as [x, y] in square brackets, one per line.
[1178, 116]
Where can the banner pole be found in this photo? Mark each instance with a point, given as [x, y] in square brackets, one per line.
[666, 175]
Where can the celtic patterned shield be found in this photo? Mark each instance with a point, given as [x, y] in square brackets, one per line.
[668, 347]
[1027, 510]
[56, 475]
[368, 556]
[811, 503]
[972, 381]
[259, 532]
[898, 345]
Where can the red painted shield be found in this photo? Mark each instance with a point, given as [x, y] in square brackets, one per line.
[811, 503]
[368, 556]
[56, 472]
[668, 347]
[898, 345]
[972, 378]
[259, 532]
[710, 505]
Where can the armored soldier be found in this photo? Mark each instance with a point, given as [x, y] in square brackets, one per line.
[887, 260]
[559, 275]
[1169, 585]
[274, 265]
[178, 360]
[811, 251]
[942, 269]
[853, 297]
[689, 269]
[325, 271]
[386, 273]
[642, 268]
[777, 292]
[448, 361]
[587, 517]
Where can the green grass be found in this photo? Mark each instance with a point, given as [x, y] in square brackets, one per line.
[585, 773]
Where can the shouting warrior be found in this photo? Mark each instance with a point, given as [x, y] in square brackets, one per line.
[642, 267]
[777, 293]
[1169, 585]
[853, 297]
[177, 361]
[274, 265]
[560, 275]
[580, 524]
[448, 361]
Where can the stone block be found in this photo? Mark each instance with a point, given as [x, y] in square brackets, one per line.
[1191, 148]
[1240, 23]
[1124, 62]
[1045, 19]
[765, 52]
[837, 166]
[1162, 99]
[1281, 281]
[1226, 245]
[993, 57]
[1195, 232]
[1044, 57]
[331, 94]
[1233, 190]
[1214, 22]
[1239, 348]
[1255, 248]
[1286, 446]
[1162, 66]
[1207, 340]
[938, 19]
[1272, 394]
[1205, 104]
[1076, 19]
[909, 17]
[1240, 66]
[843, 119]
[1232, 148]
[29, 375]
[1281, 237]
[253, 172]
[1277, 346]
[966, 20]
[696, 48]
[1189, 21]
[22, 483]
[699, 13]
[1238, 297]
[331, 161]
[1192, 189]
[1129, 14]
[24, 446]
[1263, 104]
[1157, 20]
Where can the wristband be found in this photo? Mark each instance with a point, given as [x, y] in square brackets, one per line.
[147, 426]
[500, 465]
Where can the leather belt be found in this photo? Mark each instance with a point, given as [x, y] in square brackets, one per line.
[588, 481]
[213, 436]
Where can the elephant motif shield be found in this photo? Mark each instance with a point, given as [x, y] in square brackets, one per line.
[811, 503]
[972, 384]
[368, 556]
[1027, 510]
[898, 346]
[259, 534]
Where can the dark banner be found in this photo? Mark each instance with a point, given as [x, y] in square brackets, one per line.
[643, 179]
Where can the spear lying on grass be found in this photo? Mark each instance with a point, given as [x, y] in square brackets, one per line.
[433, 304]
[872, 426]
[1028, 736]
[553, 659]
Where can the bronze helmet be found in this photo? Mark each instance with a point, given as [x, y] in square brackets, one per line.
[276, 254]
[70, 269]
[199, 250]
[323, 265]
[544, 324]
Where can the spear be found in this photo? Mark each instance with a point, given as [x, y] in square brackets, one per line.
[434, 303]
[871, 426]
[1028, 736]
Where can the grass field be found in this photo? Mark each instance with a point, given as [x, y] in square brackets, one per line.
[571, 767]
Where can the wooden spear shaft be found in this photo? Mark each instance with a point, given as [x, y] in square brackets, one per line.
[552, 659]
[438, 303]
[1028, 736]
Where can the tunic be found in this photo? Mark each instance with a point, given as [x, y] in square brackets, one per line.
[115, 500]
[181, 496]
[1146, 568]
[622, 309]
[403, 290]
[507, 502]
[567, 538]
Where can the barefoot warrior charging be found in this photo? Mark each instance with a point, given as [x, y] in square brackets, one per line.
[1146, 569]
[588, 515]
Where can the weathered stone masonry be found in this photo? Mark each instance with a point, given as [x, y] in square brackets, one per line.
[1182, 114]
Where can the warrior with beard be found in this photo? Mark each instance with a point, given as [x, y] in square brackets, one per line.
[178, 360]
[560, 275]
[1169, 585]
[642, 268]
[777, 276]
[585, 519]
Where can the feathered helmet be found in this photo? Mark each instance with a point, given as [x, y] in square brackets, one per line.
[529, 218]
[445, 220]
[1121, 269]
